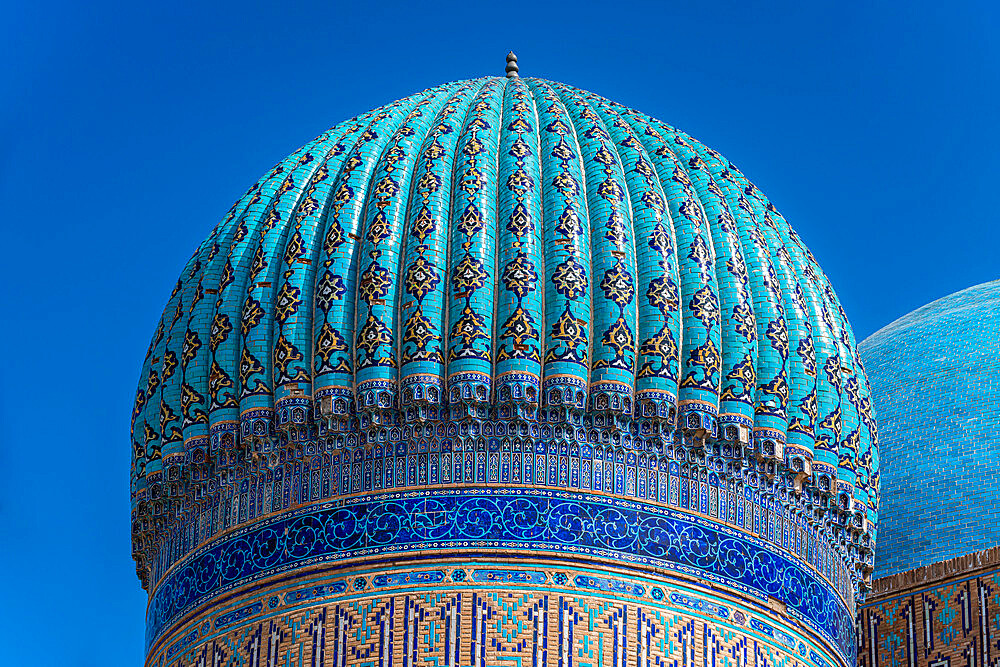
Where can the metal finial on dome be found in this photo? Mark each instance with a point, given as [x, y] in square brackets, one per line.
[511, 66]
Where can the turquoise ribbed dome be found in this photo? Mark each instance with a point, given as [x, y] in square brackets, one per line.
[514, 250]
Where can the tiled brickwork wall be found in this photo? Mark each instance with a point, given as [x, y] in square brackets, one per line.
[944, 615]
[477, 613]
[428, 526]
[935, 376]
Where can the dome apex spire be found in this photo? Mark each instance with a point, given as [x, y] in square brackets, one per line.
[511, 65]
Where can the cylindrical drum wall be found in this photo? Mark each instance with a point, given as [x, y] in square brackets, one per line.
[481, 576]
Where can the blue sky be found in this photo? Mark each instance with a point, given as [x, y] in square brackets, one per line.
[127, 131]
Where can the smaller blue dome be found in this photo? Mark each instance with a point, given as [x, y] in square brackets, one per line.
[935, 376]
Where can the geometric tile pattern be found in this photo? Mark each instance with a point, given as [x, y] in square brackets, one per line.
[935, 376]
[487, 613]
[517, 523]
[950, 621]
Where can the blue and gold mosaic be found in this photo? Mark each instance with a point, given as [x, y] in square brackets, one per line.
[550, 614]
[503, 318]
[522, 523]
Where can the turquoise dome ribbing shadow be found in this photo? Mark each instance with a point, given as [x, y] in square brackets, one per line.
[935, 376]
[514, 251]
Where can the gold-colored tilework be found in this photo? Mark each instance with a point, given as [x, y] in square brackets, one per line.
[481, 614]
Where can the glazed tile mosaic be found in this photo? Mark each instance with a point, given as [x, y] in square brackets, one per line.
[935, 375]
[575, 525]
[943, 615]
[503, 372]
[546, 615]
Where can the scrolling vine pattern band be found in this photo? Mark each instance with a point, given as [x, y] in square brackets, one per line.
[472, 520]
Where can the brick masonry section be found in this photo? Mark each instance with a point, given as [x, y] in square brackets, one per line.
[468, 522]
[476, 613]
[941, 615]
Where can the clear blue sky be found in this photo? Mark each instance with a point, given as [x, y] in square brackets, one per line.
[127, 131]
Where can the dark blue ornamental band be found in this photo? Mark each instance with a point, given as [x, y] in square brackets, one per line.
[472, 520]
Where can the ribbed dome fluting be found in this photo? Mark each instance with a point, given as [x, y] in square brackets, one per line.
[499, 263]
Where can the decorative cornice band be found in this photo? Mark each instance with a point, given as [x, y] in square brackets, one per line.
[933, 575]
